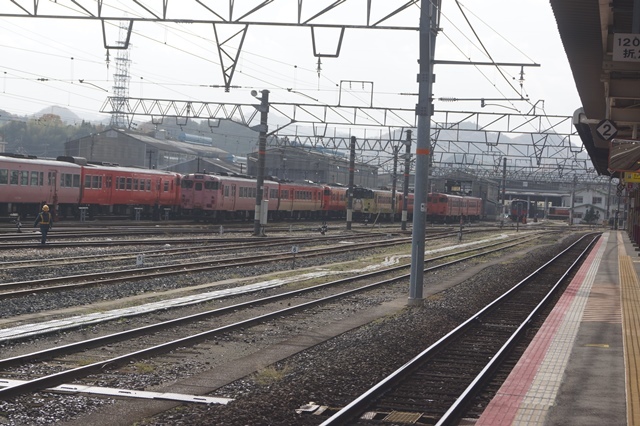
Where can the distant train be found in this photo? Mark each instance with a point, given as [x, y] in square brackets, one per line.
[224, 197]
[227, 196]
[373, 204]
[556, 213]
[379, 204]
[521, 209]
[65, 184]
[448, 208]
[68, 184]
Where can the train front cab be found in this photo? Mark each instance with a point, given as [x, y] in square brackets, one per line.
[437, 208]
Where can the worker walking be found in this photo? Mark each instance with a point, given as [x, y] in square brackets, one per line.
[45, 220]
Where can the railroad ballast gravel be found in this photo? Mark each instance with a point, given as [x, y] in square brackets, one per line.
[331, 373]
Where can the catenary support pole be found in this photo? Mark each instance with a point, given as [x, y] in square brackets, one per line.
[262, 150]
[352, 166]
[394, 184]
[429, 20]
[405, 185]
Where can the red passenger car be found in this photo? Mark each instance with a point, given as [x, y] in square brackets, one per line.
[400, 205]
[121, 190]
[335, 201]
[450, 208]
[27, 183]
[299, 200]
[223, 197]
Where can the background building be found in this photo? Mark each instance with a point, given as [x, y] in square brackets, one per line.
[127, 148]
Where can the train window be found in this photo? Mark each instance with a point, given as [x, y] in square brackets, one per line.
[34, 178]
[68, 180]
[24, 178]
[198, 186]
[14, 177]
[226, 190]
[87, 181]
[135, 184]
[148, 184]
[443, 199]
[96, 182]
[129, 184]
[76, 181]
[187, 184]
[166, 187]
[4, 176]
[51, 179]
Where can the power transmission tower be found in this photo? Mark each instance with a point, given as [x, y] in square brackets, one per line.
[121, 79]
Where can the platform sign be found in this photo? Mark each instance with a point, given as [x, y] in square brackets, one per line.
[630, 177]
[626, 47]
[607, 130]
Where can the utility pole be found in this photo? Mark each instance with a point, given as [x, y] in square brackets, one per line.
[405, 184]
[352, 166]
[504, 189]
[429, 24]
[262, 150]
[573, 199]
[396, 149]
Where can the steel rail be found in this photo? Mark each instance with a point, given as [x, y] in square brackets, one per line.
[244, 244]
[68, 375]
[335, 282]
[356, 407]
[457, 408]
[12, 288]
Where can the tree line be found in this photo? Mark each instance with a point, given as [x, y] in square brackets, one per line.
[44, 136]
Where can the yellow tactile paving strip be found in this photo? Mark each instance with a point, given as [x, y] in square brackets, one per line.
[630, 298]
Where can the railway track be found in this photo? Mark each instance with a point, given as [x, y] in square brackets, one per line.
[161, 236]
[224, 246]
[195, 328]
[102, 277]
[436, 386]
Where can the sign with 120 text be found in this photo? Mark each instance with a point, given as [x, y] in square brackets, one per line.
[626, 47]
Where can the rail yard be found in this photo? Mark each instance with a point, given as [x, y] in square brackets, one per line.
[174, 329]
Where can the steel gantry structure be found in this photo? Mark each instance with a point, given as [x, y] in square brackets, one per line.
[230, 21]
[537, 147]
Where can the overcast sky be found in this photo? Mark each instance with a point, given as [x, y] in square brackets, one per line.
[171, 61]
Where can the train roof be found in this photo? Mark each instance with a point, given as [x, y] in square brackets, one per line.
[442, 194]
[224, 177]
[49, 162]
[130, 169]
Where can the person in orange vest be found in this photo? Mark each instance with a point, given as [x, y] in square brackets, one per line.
[45, 220]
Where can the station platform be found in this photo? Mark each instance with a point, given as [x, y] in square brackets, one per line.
[583, 366]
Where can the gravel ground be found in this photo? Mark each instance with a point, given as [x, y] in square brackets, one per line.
[334, 372]
[357, 360]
